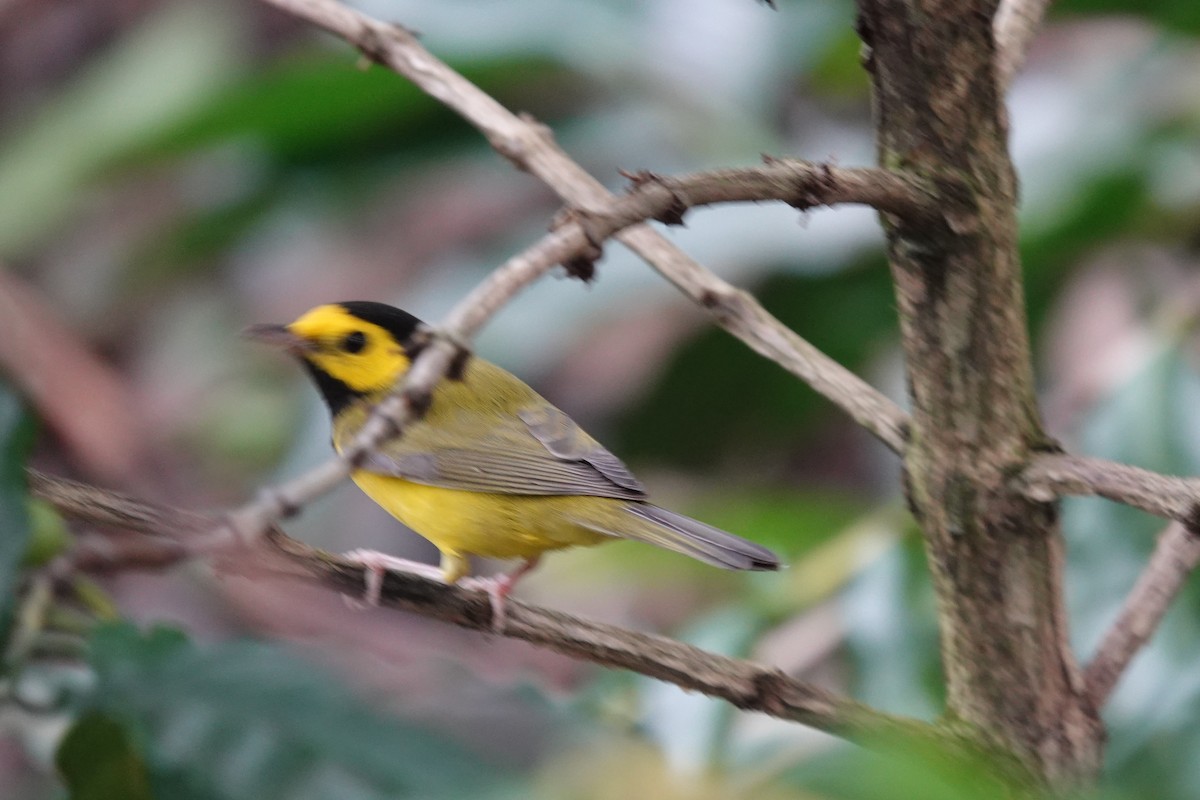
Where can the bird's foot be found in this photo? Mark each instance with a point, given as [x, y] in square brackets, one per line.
[498, 588]
[375, 564]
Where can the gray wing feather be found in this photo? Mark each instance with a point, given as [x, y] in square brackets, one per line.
[569, 462]
[559, 434]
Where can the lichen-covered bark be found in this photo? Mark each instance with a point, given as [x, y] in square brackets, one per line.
[996, 556]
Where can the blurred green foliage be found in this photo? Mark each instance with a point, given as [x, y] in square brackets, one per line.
[244, 719]
[49, 535]
[1110, 203]
[280, 120]
[98, 761]
[161, 70]
[17, 430]
[1177, 15]
[901, 770]
[744, 404]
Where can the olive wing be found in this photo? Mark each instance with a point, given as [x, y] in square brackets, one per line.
[537, 451]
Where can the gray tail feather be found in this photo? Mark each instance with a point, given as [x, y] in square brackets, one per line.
[693, 538]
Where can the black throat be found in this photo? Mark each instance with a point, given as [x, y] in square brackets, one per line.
[337, 395]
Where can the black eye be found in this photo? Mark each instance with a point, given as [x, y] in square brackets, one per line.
[354, 342]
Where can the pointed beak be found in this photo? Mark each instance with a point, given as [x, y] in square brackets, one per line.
[279, 336]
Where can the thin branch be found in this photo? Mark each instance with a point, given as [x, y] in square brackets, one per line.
[1053, 475]
[741, 315]
[531, 147]
[1175, 556]
[799, 183]
[745, 684]
[1014, 26]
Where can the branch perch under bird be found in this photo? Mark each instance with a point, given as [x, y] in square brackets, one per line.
[745, 684]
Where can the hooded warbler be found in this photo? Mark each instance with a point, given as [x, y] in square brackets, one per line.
[493, 469]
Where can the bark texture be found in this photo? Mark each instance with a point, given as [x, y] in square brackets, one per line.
[996, 555]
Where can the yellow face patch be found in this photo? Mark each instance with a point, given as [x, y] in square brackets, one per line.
[358, 353]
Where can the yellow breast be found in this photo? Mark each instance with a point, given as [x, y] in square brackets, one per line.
[461, 523]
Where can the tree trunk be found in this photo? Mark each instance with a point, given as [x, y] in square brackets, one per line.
[996, 557]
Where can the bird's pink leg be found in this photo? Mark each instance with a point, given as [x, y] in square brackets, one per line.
[498, 588]
[375, 564]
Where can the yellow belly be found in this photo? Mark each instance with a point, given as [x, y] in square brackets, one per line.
[462, 523]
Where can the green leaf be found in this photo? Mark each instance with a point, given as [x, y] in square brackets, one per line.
[313, 108]
[246, 719]
[16, 437]
[740, 404]
[98, 761]
[900, 769]
[838, 73]
[313, 128]
[49, 535]
[93, 598]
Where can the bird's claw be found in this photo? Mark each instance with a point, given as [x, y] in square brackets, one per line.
[375, 565]
[497, 589]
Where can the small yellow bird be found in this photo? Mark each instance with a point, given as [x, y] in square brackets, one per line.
[493, 469]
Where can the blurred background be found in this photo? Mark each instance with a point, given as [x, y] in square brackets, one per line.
[172, 172]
